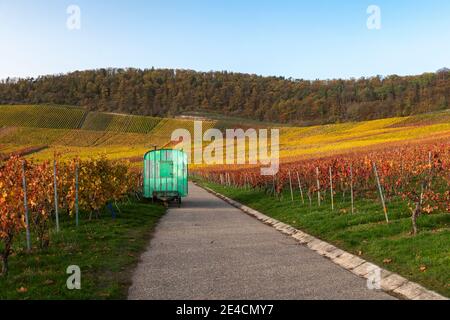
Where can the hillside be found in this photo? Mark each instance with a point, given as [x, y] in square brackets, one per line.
[166, 92]
[39, 131]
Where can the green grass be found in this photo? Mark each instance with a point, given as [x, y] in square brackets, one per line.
[106, 250]
[366, 232]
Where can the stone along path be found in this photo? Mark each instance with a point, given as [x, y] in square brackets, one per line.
[208, 249]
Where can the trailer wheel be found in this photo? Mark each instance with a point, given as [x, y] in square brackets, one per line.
[179, 202]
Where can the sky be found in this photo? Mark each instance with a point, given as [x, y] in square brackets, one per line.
[316, 39]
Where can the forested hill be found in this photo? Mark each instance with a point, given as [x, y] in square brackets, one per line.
[164, 92]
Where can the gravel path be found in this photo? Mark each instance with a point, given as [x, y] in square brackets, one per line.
[210, 250]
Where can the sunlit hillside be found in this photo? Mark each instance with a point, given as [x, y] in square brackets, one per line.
[341, 138]
[40, 131]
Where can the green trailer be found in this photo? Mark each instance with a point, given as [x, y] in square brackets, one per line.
[165, 175]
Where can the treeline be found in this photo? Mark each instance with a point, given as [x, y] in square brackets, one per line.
[166, 92]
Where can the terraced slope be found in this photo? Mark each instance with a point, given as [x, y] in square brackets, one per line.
[97, 121]
[340, 138]
[42, 116]
[72, 129]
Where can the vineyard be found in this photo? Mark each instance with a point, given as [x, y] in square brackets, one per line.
[42, 116]
[34, 198]
[311, 142]
[96, 121]
[420, 175]
[377, 188]
[75, 131]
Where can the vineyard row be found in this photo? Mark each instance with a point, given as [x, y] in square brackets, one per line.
[32, 196]
[420, 175]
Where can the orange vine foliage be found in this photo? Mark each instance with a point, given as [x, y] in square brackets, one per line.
[420, 174]
[12, 219]
[100, 181]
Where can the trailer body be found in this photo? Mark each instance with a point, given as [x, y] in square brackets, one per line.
[165, 175]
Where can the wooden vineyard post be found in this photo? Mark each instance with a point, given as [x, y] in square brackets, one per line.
[429, 159]
[331, 189]
[290, 186]
[25, 202]
[318, 186]
[55, 187]
[381, 191]
[274, 189]
[401, 170]
[310, 200]
[76, 196]
[300, 187]
[430, 163]
[351, 188]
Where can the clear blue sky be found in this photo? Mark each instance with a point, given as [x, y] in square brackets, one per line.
[300, 39]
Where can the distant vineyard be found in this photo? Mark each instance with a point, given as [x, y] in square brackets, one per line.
[21, 152]
[85, 138]
[62, 126]
[41, 116]
[74, 127]
[167, 126]
[63, 117]
[96, 121]
[31, 136]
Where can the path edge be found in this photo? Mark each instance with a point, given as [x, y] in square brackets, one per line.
[391, 282]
